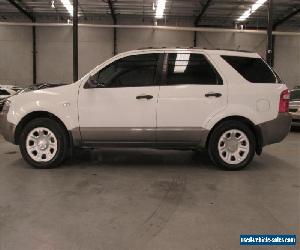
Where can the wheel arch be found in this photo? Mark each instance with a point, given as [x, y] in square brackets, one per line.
[255, 129]
[40, 114]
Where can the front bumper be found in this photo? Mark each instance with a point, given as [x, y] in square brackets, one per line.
[276, 130]
[7, 129]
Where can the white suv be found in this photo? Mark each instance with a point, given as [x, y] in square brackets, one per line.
[230, 103]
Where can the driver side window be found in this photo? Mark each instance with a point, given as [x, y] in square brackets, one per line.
[131, 71]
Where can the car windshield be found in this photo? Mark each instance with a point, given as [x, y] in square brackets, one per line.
[295, 95]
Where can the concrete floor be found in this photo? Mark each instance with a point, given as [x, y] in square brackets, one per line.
[147, 199]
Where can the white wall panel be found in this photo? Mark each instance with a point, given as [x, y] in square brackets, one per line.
[54, 47]
[15, 55]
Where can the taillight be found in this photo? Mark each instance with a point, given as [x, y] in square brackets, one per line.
[284, 101]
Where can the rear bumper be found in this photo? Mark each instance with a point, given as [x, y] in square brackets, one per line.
[7, 129]
[276, 130]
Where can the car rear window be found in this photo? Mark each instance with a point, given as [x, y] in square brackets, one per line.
[254, 70]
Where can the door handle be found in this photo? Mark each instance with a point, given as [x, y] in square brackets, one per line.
[213, 94]
[148, 97]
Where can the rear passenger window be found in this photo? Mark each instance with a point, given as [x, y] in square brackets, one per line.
[254, 70]
[186, 68]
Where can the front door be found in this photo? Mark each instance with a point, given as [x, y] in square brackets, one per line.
[122, 108]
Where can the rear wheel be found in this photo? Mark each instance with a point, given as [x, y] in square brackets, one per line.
[43, 143]
[232, 145]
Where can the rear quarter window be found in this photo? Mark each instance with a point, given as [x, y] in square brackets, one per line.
[254, 70]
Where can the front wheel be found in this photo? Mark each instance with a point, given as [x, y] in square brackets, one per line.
[43, 143]
[232, 145]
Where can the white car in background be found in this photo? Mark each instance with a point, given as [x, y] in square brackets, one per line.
[295, 106]
[11, 87]
[8, 90]
[230, 103]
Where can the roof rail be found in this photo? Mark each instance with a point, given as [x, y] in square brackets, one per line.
[192, 47]
[152, 48]
[235, 50]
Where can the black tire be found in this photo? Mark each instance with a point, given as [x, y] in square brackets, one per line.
[214, 140]
[62, 142]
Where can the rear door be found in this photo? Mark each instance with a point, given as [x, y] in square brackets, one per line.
[191, 93]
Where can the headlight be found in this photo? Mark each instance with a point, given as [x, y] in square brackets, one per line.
[6, 106]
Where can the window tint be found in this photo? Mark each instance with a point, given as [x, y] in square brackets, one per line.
[131, 71]
[254, 70]
[191, 69]
[4, 92]
[295, 95]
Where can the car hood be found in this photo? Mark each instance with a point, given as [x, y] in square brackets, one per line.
[65, 92]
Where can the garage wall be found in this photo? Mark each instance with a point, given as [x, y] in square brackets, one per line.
[54, 46]
[55, 52]
[96, 45]
[249, 42]
[129, 39]
[15, 55]
[287, 59]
